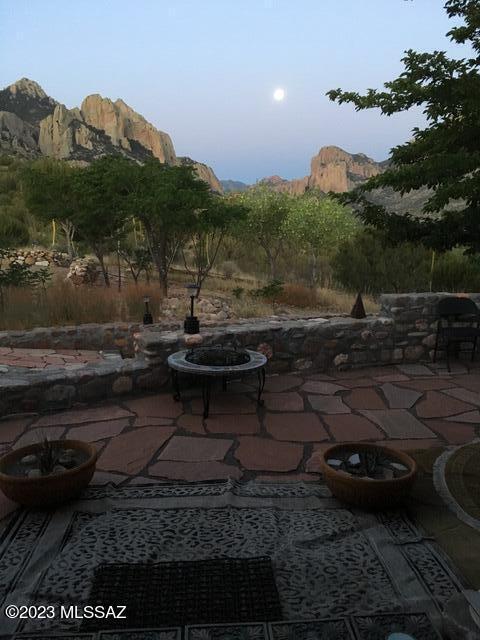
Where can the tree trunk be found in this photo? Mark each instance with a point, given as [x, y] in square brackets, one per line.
[69, 231]
[104, 269]
[160, 259]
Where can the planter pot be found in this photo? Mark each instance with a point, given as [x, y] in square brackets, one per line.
[368, 493]
[51, 490]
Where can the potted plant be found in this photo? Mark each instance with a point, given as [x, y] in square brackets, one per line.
[47, 473]
[367, 475]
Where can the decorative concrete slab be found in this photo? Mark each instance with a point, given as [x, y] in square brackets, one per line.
[352, 427]
[11, 428]
[453, 432]
[470, 416]
[148, 421]
[429, 384]
[225, 402]
[471, 381]
[391, 377]
[399, 398]
[139, 480]
[464, 394]
[79, 416]
[364, 399]
[268, 455]
[328, 404]
[242, 424]
[398, 423]
[282, 383]
[33, 436]
[415, 370]
[161, 405]
[288, 401]
[98, 430]
[191, 423]
[304, 427]
[194, 471]
[130, 452]
[319, 386]
[187, 449]
[438, 405]
[358, 382]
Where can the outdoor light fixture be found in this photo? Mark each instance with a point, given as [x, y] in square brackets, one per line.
[147, 316]
[191, 324]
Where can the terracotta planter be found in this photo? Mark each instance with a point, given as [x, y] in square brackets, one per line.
[368, 493]
[47, 491]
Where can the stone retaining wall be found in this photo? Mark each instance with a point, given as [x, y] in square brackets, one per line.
[38, 257]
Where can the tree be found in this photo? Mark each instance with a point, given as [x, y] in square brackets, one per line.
[445, 155]
[48, 187]
[100, 191]
[209, 229]
[264, 222]
[317, 224]
[166, 198]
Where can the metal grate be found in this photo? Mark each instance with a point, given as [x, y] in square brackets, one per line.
[220, 590]
[217, 356]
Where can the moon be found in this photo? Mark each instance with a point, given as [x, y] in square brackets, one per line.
[279, 94]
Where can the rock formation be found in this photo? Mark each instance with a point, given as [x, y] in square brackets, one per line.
[332, 169]
[33, 125]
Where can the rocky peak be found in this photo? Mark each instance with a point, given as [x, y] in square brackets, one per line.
[124, 126]
[27, 87]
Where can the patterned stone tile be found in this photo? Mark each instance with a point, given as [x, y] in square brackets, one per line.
[287, 401]
[225, 402]
[194, 471]
[288, 477]
[187, 449]
[364, 399]
[391, 377]
[428, 384]
[11, 428]
[303, 427]
[260, 454]
[411, 445]
[438, 405]
[161, 405]
[97, 430]
[332, 629]
[464, 394]
[130, 452]
[319, 386]
[415, 370]
[352, 427]
[470, 381]
[399, 398]
[398, 423]
[79, 416]
[358, 382]
[149, 421]
[282, 383]
[144, 480]
[6, 506]
[470, 416]
[243, 424]
[32, 436]
[453, 432]
[328, 404]
[191, 423]
[240, 631]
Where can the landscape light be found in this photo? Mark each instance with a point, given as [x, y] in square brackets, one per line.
[147, 316]
[191, 324]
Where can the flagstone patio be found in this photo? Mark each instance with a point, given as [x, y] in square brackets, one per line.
[152, 438]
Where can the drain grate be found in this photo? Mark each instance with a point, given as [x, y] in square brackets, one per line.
[220, 590]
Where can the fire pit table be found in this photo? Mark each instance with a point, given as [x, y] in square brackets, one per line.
[216, 362]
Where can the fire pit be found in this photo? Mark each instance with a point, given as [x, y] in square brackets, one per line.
[216, 362]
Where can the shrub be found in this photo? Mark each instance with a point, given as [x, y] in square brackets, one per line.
[298, 295]
[229, 268]
[455, 271]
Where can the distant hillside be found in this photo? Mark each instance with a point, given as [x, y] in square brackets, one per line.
[233, 186]
[33, 124]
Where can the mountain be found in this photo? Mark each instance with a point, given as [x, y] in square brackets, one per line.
[33, 124]
[233, 186]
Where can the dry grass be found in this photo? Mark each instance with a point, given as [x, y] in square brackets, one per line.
[342, 302]
[298, 295]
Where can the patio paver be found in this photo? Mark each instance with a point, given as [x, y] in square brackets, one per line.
[398, 423]
[399, 398]
[328, 404]
[268, 455]
[352, 427]
[438, 405]
[304, 427]
[194, 471]
[187, 449]
[287, 401]
[364, 399]
[131, 452]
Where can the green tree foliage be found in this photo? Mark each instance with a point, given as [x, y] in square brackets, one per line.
[99, 193]
[445, 155]
[207, 234]
[13, 213]
[264, 223]
[166, 198]
[48, 188]
[316, 225]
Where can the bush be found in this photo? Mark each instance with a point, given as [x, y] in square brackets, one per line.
[298, 295]
[367, 263]
[455, 271]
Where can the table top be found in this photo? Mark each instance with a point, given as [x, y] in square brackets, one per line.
[179, 362]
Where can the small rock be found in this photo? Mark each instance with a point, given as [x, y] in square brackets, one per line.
[354, 460]
[398, 466]
[336, 464]
[34, 473]
[59, 468]
[30, 459]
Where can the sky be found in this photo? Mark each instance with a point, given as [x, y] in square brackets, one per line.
[205, 71]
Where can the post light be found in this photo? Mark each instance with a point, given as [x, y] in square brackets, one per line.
[191, 324]
[147, 316]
